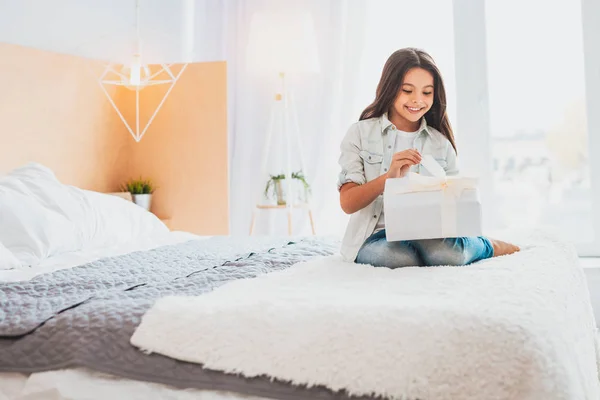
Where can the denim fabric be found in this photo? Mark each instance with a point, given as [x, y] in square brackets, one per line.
[377, 251]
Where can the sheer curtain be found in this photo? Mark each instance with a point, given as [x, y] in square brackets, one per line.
[354, 38]
[323, 109]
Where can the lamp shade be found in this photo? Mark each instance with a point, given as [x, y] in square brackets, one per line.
[282, 42]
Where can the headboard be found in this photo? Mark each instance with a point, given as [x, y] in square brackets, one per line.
[52, 111]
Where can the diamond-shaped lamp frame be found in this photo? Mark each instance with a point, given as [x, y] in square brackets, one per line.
[150, 81]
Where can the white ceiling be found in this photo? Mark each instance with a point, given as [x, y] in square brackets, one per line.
[105, 29]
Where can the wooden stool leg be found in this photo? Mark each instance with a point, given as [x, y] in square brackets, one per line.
[312, 223]
[252, 223]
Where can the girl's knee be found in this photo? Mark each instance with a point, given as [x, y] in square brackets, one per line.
[390, 261]
[400, 261]
[445, 252]
[447, 257]
[384, 255]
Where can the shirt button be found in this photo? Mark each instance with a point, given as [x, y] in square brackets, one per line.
[389, 147]
[374, 216]
[385, 170]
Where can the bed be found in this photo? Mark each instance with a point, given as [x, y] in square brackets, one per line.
[76, 382]
[65, 250]
[100, 300]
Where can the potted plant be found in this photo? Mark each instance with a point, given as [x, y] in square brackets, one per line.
[141, 191]
[276, 187]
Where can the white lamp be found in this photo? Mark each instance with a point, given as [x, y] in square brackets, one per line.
[136, 76]
[282, 43]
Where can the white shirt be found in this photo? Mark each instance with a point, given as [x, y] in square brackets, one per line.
[404, 141]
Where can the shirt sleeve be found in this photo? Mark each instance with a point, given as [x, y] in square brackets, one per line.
[350, 161]
[451, 161]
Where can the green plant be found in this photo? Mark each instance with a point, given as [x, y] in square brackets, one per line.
[138, 186]
[273, 179]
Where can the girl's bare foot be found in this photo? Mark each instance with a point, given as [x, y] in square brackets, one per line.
[503, 248]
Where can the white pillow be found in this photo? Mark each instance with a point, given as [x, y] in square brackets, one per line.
[112, 220]
[39, 182]
[35, 213]
[40, 217]
[8, 259]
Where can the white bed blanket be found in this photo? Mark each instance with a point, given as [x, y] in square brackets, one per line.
[513, 327]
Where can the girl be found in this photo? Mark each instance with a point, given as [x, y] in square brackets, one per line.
[408, 118]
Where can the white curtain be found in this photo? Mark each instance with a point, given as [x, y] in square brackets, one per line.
[323, 107]
[354, 39]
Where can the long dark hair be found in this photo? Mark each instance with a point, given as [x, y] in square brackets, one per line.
[397, 65]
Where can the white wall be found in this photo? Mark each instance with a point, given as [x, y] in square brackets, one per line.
[105, 29]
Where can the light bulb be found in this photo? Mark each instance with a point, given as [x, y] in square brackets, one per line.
[135, 75]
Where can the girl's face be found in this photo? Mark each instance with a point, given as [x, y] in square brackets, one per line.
[415, 97]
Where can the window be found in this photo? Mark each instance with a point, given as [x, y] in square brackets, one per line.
[537, 99]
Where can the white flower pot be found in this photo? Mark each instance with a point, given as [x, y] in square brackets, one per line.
[143, 200]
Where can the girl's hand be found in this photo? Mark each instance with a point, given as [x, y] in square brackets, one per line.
[402, 161]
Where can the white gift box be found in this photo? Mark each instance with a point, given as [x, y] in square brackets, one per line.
[430, 207]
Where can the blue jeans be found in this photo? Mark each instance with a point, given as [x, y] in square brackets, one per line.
[377, 251]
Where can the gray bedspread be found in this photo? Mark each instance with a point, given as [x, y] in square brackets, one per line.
[85, 316]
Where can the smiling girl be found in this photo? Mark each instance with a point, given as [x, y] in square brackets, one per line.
[407, 120]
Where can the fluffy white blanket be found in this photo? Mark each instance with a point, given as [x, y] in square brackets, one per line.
[513, 327]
